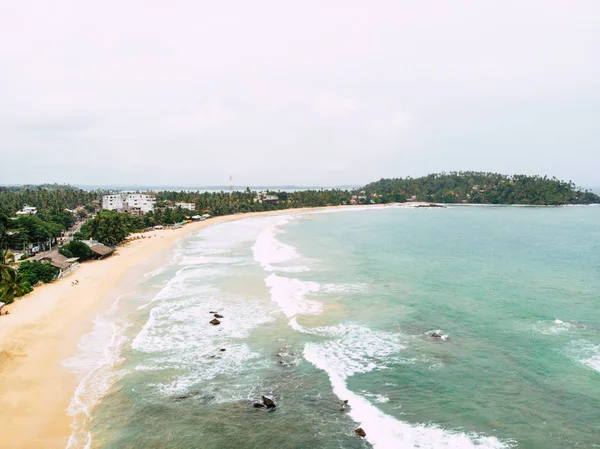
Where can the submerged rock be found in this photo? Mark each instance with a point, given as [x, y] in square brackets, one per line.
[258, 405]
[268, 402]
[360, 432]
[191, 394]
[214, 322]
[218, 316]
[212, 312]
[222, 349]
[436, 335]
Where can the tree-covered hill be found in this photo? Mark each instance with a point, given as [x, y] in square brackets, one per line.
[481, 188]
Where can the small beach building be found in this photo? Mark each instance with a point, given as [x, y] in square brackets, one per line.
[66, 265]
[100, 251]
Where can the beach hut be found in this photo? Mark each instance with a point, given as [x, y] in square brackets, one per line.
[66, 265]
[2, 304]
[100, 251]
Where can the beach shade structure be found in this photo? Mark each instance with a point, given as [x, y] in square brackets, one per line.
[2, 304]
[56, 260]
[100, 251]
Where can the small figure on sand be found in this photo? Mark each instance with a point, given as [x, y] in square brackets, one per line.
[345, 406]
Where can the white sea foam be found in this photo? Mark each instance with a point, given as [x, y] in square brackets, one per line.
[357, 349]
[179, 284]
[443, 337]
[177, 335]
[378, 398]
[268, 250]
[553, 327]
[586, 353]
[199, 260]
[98, 358]
[290, 295]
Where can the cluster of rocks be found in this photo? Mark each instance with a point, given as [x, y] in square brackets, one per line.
[266, 403]
[215, 321]
[420, 206]
[437, 335]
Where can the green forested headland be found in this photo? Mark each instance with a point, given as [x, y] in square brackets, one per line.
[481, 188]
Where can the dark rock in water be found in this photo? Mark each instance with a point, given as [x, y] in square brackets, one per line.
[191, 394]
[360, 432]
[258, 405]
[212, 312]
[436, 335]
[268, 402]
[218, 316]
[214, 322]
[222, 349]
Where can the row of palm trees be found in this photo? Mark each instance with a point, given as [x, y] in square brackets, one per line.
[12, 284]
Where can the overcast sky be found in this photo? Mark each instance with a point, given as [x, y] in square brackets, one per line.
[304, 92]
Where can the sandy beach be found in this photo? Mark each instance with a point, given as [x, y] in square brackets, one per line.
[44, 327]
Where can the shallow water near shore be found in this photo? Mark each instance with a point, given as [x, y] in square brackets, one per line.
[323, 307]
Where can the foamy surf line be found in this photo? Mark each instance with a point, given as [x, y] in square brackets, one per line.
[384, 431]
[98, 360]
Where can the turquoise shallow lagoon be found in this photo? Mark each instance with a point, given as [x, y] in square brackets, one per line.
[323, 307]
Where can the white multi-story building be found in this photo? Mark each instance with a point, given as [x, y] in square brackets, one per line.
[27, 210]
[129, 202]
[112, 202]
[189, 206]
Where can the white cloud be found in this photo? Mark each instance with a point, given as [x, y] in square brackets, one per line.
[308, 92]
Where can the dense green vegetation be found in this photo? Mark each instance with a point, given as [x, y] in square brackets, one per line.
[52, 218]
[481, 188]
[49, 199]
[224, 203]
[110, 227]
[12, 283]
[76, 249]
[34, 272]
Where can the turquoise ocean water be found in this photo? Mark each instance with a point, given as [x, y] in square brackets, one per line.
[323, 307]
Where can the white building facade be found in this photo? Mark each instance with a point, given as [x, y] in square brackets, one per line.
[129, 202]
[27, 210]
[189, 206]
[112, 202]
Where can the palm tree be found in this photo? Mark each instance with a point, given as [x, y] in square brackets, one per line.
[12, 285]
[7, 260]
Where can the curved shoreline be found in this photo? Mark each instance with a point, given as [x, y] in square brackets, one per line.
[43, 330]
